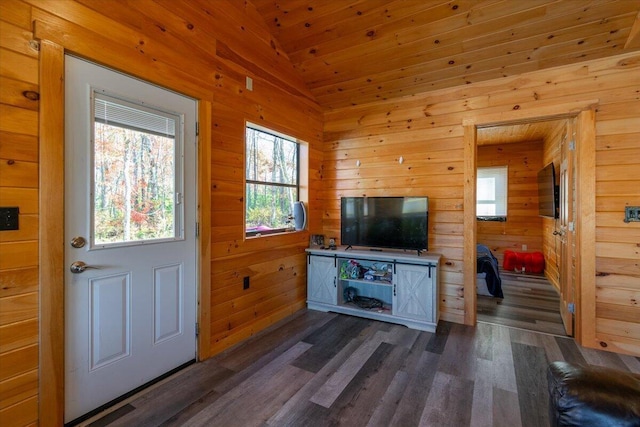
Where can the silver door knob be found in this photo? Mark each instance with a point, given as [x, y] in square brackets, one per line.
[79, 267]
[78, 242]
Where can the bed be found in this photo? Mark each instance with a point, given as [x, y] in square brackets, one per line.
[488, 277]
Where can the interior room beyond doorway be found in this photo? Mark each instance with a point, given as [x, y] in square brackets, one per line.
[531, 300]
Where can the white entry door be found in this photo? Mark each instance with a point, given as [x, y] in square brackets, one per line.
[130, 196]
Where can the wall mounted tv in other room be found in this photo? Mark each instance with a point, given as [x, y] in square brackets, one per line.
[385, 222]
[548, 192]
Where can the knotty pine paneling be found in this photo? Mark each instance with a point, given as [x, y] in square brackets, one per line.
[18, 388]
[408, 127]
[617, 243]
[388, 50]
[18, 146]
[17, 335]
[18, 281]
[18, 187]
[17, 39]
[18, 362]
[13, 93]
[16, 12]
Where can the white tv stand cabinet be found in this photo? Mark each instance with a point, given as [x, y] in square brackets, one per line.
[406, 284]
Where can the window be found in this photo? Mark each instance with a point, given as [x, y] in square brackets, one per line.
[491, 195]
[137, 181]
[272, 180]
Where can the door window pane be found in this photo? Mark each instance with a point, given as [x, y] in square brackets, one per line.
[135, 168]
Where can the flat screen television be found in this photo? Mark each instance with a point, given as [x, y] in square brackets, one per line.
[548, 192]
[385, 222]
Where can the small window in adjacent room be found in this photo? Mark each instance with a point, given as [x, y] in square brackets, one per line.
[491, 195]
[272, 180]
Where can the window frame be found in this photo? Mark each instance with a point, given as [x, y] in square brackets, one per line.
[296, 186]
[175, 132]
[498, 173]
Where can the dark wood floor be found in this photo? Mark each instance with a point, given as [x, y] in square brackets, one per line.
[325, 369]
[530, 302]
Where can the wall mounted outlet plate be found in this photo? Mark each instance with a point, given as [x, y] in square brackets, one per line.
[632, 214]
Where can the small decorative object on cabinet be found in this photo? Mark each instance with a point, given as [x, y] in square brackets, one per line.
[390, 286]
[316, 241]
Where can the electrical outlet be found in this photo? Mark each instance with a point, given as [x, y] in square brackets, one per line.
[631, 213]
[9, 219]
[524, 248]
[245, 282]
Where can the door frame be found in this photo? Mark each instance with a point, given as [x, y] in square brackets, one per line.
[51, 222]
[584, 111]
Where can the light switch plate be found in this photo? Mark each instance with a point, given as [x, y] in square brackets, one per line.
[9, 218]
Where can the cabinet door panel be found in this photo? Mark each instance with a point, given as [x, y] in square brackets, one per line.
[321, 280]
[413, 295]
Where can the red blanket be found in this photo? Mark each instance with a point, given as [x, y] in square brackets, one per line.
[532, 262]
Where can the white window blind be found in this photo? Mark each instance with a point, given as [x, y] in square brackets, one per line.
[116, 112]
[491, 191]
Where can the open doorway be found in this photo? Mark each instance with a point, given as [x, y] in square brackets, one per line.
[577, 295]
[526, 244]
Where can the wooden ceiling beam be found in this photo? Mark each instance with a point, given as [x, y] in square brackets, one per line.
[634, 36]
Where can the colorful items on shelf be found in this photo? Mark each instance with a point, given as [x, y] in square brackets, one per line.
[351, 270]
[354, 271]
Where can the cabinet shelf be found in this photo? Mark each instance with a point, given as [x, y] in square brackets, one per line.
[385, 309]
[369, 282]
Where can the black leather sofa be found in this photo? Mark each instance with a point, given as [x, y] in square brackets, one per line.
[592, 396]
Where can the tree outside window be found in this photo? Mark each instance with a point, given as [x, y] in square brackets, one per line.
[136, 173]
[272, 180]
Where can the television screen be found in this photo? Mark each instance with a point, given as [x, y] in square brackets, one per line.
[548, 192]
[385, 222]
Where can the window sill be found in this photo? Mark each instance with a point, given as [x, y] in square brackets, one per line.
[492, 218]
[271, 233]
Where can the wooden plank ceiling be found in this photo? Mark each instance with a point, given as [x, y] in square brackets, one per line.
[352, 52]
[530, 131]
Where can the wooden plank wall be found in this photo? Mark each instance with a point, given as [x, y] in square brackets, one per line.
[200, 48]
[523, 225]
[18, 187]
[427, 131]
[618, 243]
[551, 243]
